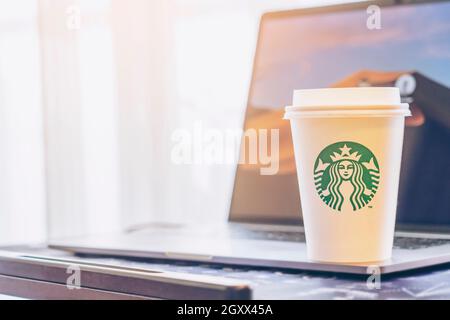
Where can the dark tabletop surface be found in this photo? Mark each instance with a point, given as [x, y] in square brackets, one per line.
[282, 284]
[430, 283]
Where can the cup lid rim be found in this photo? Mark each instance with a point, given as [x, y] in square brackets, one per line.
[347, 107]
[293, 114]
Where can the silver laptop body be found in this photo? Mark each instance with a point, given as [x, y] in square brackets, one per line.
[264, 227]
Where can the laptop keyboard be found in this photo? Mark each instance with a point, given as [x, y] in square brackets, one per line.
[417, 243]
[246, 233]
[399, 242]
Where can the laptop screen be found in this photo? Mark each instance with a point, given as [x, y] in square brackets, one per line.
[336, 47]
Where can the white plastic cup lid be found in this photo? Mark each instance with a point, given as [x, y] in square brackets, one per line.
[362, 101]
[363, 96]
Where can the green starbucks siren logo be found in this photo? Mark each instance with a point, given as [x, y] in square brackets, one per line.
[346, 174]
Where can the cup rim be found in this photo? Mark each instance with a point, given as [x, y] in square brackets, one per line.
[349, 113]
[348, 107]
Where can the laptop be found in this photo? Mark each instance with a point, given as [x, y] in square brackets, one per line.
[333, 46]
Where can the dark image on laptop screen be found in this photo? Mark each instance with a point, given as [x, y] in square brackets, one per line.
[336, 49]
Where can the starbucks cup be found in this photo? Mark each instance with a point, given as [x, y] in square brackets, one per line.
[348, 146]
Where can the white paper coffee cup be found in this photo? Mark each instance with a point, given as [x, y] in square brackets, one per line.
[348, 145]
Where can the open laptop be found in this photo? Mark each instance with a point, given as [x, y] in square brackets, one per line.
[322, 47]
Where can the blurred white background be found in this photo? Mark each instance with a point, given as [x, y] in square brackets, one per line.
[90, 92]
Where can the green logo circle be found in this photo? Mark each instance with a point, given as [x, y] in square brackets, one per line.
[346, 174]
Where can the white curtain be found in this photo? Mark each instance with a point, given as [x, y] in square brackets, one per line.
[22, 195]
[80, 117]
[90, 94]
